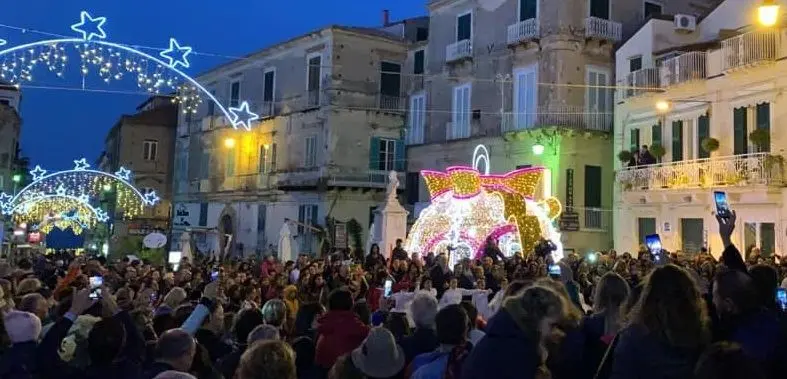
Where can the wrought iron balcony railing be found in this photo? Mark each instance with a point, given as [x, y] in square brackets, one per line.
[523, 31]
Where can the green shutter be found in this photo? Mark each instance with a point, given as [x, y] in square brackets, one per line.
[764, 122]
[741, 143]
[374, 153]
[592, 186]
[634, 142]
[703, 131]
[655, 135]
[400, 163]
[677, 141]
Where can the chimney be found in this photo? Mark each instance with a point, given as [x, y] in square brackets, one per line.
[386, 17]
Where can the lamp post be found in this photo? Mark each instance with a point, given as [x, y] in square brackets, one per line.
[768, 13]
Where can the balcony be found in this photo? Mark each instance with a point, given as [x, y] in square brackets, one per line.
[297, 178]
[523, 31]
[266, 109]
[638, 83]
[574, 117]
[363, 178]
[683, 68]
[243, 183]
[458, 51]
[596, 219]
[602, 29]
[414, 83]
[390, 103]
[751, 49]
[760, 169]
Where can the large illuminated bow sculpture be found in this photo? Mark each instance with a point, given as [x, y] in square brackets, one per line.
[468, 207]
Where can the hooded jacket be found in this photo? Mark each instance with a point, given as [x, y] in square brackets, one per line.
[339, 332]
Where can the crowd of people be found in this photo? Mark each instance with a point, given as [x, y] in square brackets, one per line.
[598, 315]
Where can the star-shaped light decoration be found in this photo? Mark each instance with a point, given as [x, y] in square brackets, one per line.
[81, 164]
[176, 54]
[151, 198]
[84, 198]
[4, 199]
[37, 173]
[243, 116]
[61, 191]
[124, 174]
[90, 27]
[34, 195]
[3, 42]
[101, 215]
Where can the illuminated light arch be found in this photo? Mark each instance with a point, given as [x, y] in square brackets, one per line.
[83, 184]
[61, 211]
[238, 116]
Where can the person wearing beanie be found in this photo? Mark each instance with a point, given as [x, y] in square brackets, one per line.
[23, 330]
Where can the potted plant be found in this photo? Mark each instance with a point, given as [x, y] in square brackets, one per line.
[625, 156]
[658, 152]
[774, 165]
[710, 144]
[761, 138]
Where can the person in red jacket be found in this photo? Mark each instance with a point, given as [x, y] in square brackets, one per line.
[339, 331]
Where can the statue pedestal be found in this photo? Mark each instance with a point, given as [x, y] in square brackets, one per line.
[390, 223]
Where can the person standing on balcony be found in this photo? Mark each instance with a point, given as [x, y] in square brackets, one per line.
[645, 157]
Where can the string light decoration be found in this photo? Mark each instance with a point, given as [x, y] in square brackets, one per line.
[468, 206]
[59, 211]
[115, 62]
[56, 192]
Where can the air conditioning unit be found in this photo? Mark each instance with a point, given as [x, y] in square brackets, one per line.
[685, 23]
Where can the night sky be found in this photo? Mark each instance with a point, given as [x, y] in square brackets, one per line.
[60, 126]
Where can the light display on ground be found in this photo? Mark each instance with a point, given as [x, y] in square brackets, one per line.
[63, 199]
[468, 206]
[112, 61]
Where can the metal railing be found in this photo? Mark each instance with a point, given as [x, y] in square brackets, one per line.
[455, 130]
[751, 49]
[313, 97]
[414, 83]
[636, 83]
[575, 117]
[459, 50]
[595, 219]
[267, 109]
[729, 171]
[523, 31]
[363, 178]
[684, 68]
[391, 103]
[603, 29]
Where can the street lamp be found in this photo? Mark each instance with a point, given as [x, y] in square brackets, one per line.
[768, 13]
[17, 178]
[107, 188]
[663, 106]
[229, 143]
[538, 149]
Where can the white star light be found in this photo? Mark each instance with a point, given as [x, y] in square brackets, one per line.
[37, 173]
[101, 215]
[61, 191]
[4, 199]
[81, 164]
[151, 198]
[123, 173]
[90, 27]
[3, 42]
[243, 116]
[84, 198]
[176, 54]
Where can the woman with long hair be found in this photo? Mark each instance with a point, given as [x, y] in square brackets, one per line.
[667, 329]
[600, 328]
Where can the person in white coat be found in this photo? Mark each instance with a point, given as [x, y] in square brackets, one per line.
[453, 295]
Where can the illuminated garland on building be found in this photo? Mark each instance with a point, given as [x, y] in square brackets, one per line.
[65, 197]
[111, 61]
[468, 207]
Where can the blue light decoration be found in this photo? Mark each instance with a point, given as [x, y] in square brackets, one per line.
[94, 26]
[183, 53]
[243, 116]
[67, 191]
[113, 61]
[3, 42]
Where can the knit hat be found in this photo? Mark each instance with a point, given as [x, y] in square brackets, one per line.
[22, 326]
[379, 356]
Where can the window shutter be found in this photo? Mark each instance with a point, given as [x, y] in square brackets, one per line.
[400, 156]
[203, 214]
[374, 153]
[741, 144]
[273, 157]
[703, 131]
[301, 218]
[764, 122]
[592, 186]
[655, 137]
[313, 220]
[677, 141]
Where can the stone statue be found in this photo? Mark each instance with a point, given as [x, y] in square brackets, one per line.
[393, 184]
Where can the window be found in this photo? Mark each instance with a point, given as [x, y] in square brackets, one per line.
[268, 91]
[645, 227]
[760, 234]
[390, 85]
[739, 131]
[310, 152]
[528, 9]
[763, 120]
[421, 34]
[212, 105]
[599, 9]
[235, 93]
[5, 102]
[655, 135]
[525, 96]
[692, 235]
[419, 62]
[417, 120]
[203, 214]
[313, 75]
[205, 164]
[412, 187]
[652, 9]
[597, 98]
[263, 165]
[703, 132]
[273, 157]
[634, 140]
[262, 210]
[386, 154]
[460, 112]
[307, 215]
[677, 140]
[635, 63]
[149, 150]
[593, 197]
[464, 26]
